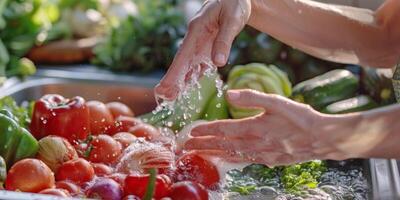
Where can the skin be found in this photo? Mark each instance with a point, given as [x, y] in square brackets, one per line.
[289, 132]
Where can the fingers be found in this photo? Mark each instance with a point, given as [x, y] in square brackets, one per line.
[255, 99]
[223, 42]
[225, 128]
[172, 82]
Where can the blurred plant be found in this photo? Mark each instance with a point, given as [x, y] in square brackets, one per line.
[143, 42]
[23, 23]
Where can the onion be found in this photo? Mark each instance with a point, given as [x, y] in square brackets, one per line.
[105, 188]
[54, 151]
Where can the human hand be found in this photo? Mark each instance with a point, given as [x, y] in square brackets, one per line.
[209, 37]
[287, 132]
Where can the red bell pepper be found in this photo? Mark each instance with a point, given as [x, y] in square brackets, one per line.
[55, 115]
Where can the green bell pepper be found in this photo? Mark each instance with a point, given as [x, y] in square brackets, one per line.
[3, 172]
[16, 143]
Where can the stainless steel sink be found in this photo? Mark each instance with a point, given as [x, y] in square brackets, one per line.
[137, 92]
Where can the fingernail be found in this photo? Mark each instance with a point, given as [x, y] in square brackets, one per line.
[233, 95]
[220, 58]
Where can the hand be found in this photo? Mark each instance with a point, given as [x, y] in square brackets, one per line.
[287, 132]
[209, 37]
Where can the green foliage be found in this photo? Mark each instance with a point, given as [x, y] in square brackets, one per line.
[21, 114]
[142, 42]
[294, 179]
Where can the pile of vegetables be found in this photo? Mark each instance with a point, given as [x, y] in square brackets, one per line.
[90, 149]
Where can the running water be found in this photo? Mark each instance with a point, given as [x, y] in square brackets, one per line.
[189, 93]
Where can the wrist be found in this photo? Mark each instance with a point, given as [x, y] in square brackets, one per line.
[337, 137]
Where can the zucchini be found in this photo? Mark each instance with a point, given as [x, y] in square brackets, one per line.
[377, 83]
[327, 88]
[355, 104]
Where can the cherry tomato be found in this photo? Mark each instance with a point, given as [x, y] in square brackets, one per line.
[146, 131]
[188, 190]
[101, 118]
[78, 171]
[104, 149]
[137, 185]
[118, 177]
[119, 109]
[55, 192]
[193, 167]
[101, 169]
[124, 138]
[69, 186]
[29, 175]
[123, 124]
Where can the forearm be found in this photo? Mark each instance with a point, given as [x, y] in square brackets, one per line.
[335, 33]
[374, 133]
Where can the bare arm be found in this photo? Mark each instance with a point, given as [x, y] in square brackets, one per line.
[371, 134]
[336, 33]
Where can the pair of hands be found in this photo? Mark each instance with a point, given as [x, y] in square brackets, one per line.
[285, 133]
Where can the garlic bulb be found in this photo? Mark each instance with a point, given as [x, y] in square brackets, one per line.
[54, 151]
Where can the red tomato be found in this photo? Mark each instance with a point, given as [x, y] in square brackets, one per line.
[29, 175]
[56, 192]
[188, 190]
[55, 115]
[146, 131]
[124, 138]
[69, 186]
[78, 171]
[137, 185]
[192, 167]
[123, 124]
[101, 169]
[101, 118]
[104, 149]
[119, 109]
[118, 177]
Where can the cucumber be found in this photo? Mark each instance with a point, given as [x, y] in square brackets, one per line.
[327, 88]
[377, 83]
[355, 104]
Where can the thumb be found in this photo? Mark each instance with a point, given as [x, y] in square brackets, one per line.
[223, 42]
[255, 99]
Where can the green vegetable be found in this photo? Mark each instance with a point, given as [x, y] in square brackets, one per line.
[355, 104]
[16, 142]
[151, 186]
[20, 114]
[294, 179]
[327, 88]
[217, 109]
[299, 177]
[256, 76]
[264, 49]
[3, 172]
[23, 24]
[378, 84]
[144, 42]
[21, 67]
[187, 108]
